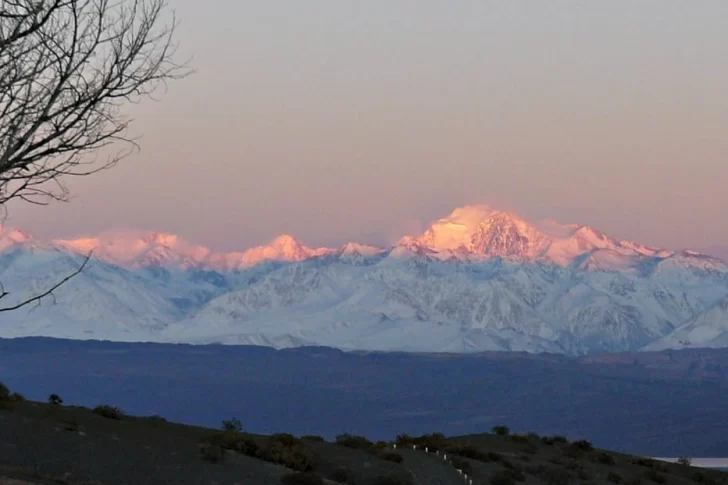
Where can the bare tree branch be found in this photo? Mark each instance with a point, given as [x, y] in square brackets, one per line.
[49, 292]
[67, 68]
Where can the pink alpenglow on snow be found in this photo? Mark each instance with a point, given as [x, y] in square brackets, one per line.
[10, 237]
[138, 249]
[469, 233]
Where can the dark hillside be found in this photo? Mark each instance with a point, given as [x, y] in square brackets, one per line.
[44, 443]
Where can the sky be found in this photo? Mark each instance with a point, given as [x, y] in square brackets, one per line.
[337, 120]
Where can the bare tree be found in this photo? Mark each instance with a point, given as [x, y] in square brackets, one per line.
[67, 67]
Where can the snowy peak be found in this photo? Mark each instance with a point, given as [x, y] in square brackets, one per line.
[455, 231]
[479, 230]
[645, 250]
[358, 254]
[594, 237]
[10, 237]
[288, 247]
[589, 238]
[139, 249]
[282, 248]
[353, 249]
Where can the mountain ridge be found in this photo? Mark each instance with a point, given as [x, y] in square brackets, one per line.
[478, 279]
[468, 233]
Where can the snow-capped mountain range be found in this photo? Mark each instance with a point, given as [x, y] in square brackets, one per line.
[478, 279]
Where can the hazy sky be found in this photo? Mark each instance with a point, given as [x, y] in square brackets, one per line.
[334, 120]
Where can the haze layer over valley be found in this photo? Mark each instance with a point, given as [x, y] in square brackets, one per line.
[478, 279]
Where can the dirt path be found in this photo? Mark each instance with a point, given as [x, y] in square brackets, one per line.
[429, 469]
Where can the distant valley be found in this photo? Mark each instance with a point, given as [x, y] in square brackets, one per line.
[669, 403]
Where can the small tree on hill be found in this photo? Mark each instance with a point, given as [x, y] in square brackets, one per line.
[55, 399]
[501, 430]
[233, 424]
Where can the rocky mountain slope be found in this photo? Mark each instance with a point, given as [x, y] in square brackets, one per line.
[478, 279]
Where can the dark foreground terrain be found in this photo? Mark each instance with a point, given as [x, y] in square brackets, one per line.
[44, 443]
[649, 404]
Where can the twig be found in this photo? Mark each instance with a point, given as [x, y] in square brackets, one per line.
[49, 292]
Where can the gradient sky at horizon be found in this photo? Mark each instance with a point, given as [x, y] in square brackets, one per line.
[333, 121]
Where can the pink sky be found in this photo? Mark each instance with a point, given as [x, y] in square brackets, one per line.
[335, 121]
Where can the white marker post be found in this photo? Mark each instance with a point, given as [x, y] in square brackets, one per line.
[426, 448]
[395, 446]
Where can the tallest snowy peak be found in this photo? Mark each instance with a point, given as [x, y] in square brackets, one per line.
[285, 242]
[470, 219]
[479, 232]
[470, 215]
[456, 230]
[484, 231]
